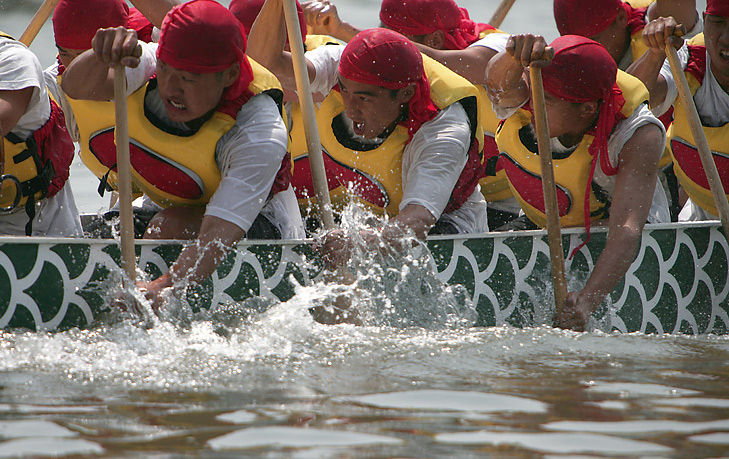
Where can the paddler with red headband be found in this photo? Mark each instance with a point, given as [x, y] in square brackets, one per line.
[706, 65]
[444, 31]
[208, 143]
[75, 23]
[35, 196]
[605, 148]
[618, 25]
[399, 126]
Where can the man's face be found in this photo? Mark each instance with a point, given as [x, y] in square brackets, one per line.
[372, 109]
[67, 55]
[187, 96]
[563, 117]
[716, 36]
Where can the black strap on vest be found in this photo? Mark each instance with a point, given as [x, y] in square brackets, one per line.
[39, 183]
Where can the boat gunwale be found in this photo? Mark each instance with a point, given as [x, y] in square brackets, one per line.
[308, 241]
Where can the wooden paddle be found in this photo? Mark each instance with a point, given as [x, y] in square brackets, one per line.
[313, 144]
[124, 172]
[707, 160]
[501, 12]
[40, 18]
[548, 188]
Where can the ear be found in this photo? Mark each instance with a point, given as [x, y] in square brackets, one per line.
[230, 75]
[405, 94]
[435, 40]
[589, 110]
[621, 20]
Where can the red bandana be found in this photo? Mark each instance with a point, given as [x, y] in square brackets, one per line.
[387, 59]
[202, 36]
[141, 24]
[75, 22]
[246, 12]
[717, 8]
[583, 17]
[583, 71]
[421, 17]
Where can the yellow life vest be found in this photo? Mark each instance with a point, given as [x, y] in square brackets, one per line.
[687, 162]
[173, 169]
[571, 170]
[37, 166]
[90, 114]
[375, 171]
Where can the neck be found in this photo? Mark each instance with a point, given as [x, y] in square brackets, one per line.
[722, 79]
[574, 136]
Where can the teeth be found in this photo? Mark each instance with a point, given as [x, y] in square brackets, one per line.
[724, 54]
[177, 105]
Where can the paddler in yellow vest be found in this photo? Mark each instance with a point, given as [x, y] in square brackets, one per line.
[444, 31]
[208, 143]
[35, 197]
[618, 25]
[411, 149]
[75, 23]
[706, 65]
[605, 142]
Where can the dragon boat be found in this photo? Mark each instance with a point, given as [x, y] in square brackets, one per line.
[678, 283]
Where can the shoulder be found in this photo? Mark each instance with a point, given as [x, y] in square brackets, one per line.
[494, 41]
[450, 124]
[258, 121]
[17, 61]
[325, 54]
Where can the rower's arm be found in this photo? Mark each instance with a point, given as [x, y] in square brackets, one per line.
[91, 75]
[12, 107]
[647, 67]
[634, 187]
[506, 79]
[266, 44]
[470, 63]
[199, 260]
[683, 11]
[155, 10]
[413, 216]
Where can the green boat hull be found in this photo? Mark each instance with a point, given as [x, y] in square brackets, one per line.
[678, 283]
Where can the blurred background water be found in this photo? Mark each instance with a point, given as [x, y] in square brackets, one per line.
[278, 384]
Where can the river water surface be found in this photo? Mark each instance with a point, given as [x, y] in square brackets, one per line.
[278, 384]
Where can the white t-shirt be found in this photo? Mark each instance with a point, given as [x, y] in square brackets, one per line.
[433, 160]
[248, 156]
[58, 215]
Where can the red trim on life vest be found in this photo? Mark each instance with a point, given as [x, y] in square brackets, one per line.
[689, 160]
[697, 62]
[54, 144]
[530, 186]
[339, 175]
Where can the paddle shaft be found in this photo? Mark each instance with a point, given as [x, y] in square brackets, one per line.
[311, 131]
[707, 160]
[40, 18]
[501, 12]
[551, 210]
[124, 172]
